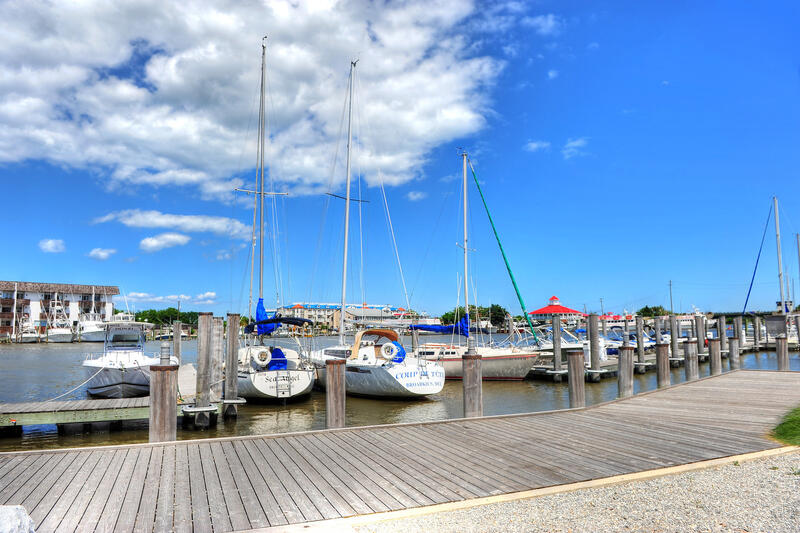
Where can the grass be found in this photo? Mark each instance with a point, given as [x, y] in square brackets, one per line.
[788, 431]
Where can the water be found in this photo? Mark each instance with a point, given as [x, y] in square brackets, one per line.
[38, 372]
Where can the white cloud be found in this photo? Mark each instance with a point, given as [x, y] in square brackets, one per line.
[223, 255]
[52, 246]
[416, 196]
[163, 240]
[136, 218]
[593, 46]
[574, 147]
[536, 146]
[208, 297]
[552, 74]
[154, 94]
[101, 254]
[546, 25]
[665, 82]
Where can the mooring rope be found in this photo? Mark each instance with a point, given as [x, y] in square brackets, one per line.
[77, 387]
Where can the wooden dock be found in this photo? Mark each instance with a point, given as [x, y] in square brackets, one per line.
[252, 482]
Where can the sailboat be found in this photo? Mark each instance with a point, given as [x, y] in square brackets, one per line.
[376, 364]
[508, 362]
[269, 372]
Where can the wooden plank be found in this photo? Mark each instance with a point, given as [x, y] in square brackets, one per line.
[272, 511]
[183, 503]
[145, 514]
[72, 504]
[33, 474]
[201, 511]
[252, 506]
[216, 501]
[165, 508]
[288, 507]
[127, 489]
[110, 493]
[233, 501]
[41, 501]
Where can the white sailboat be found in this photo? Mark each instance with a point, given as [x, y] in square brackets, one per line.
[509, 362]
[371, 368]
[123, 369]
[269, 372]
[59, 328]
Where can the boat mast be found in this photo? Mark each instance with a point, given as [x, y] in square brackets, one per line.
[797, 236]
[261, 166]
[780, 261]
[470, 340]
[347, 203]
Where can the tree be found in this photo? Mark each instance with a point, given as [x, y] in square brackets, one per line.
[648, 311]
[495, 313]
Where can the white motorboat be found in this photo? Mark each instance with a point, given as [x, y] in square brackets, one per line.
[123, 369]
[27, 332]
[91, 328]
[382, 369]
[59, 328]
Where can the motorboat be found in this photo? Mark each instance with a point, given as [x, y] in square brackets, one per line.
[123, 369]
[498, 363]
[91, 328]
[377, 365]
[28, 332]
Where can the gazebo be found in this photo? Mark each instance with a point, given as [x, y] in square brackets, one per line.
[554, 307]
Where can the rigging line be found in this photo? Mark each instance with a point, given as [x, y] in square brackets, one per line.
[760, 248]
[505, 259]
[394, 242]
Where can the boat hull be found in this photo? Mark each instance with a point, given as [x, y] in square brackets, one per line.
[59, 337]
[93, 336]
[264, 385]
[394, 381]
[499, 368]
[118, 383]
[26, 339]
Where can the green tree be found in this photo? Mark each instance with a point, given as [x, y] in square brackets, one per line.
[651, 311]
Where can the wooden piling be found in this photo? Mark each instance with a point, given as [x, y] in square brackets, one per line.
[757, 332]
[740, 332]
[335, 393]
[217, 357]
[662, 365]
[674, 334]
[232, 367]
[163, 424]
[700, 328]
[594, 347]
[690, 360]
[640, 341]
[722, 332]
[715, 356]
[625, 372]
[556, 342]
[733, 353]
[576, 371]
[472, 381]
[782, 347]
[176, 339]
[204, 335]
[658, 326]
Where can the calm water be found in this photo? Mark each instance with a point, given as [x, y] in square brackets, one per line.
[42, 372]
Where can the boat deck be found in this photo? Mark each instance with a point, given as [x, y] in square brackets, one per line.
[252, 482]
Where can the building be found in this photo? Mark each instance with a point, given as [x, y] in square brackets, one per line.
[328, 315]
[24, 300]
[554, 307]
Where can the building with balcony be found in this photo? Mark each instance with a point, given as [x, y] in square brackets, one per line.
[22, 301]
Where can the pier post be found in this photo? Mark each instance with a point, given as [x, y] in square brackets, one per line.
[472, 381]
[740, 332]
[733, 353]
[674, 334]
[757, 332]
[626, 341]
[334, 393]
[782, 347]
[625, 372]
[700, 327]
[556, 346]
[640, 369]
[658, 326]
[204, 335]
[232, 367]
[594, 347]
[722, 333]
[576, 371]
[217, 358]
[176, 340]
[715, 356]
[690, 360]
[662, 365]
[163, 423]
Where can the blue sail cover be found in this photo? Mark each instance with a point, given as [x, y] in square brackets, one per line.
[462, 328]
[261, 314]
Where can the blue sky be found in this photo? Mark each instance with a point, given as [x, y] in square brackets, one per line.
[619, 145]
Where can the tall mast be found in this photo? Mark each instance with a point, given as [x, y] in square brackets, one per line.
[261, 113]
[347, 203]
[780, 261]
[470, 340]
[797, 236]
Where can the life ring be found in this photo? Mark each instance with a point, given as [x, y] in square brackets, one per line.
[389, 351]
[261, 357]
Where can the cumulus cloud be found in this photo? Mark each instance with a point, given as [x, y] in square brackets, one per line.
[546, 25]
[416, 196]
[136, 218]
[52, 246]
[552, 74]
[163, 240]
[154, 94]
[208, 297]
[101, 254]
[537, 146]
[574, 147]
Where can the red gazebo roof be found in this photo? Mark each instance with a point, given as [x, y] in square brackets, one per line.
[555, 308]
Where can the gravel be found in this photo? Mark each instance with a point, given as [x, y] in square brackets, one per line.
[754, 496]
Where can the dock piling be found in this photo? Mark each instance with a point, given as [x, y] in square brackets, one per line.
[700, 328]
[217, 358]
[740, 332]
[674, 334]
[722, 332]
[163, 416]
[690, 360]
[625, 372]
[556, 346]
[715, 356]
[176, 340]
[733, 353]
[335, 393]
[594, 347]
[472, 381]
[202, 393]
[757, 332]
[232, 367]
[662, 365]
[782, 347]
[576, 371]
[640, 369]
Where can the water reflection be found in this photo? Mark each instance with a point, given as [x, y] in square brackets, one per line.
[41, 372]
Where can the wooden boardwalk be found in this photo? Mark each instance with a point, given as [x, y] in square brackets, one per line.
[250, 482]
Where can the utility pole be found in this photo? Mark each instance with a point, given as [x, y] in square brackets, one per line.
[602, 310]
[670, 298]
